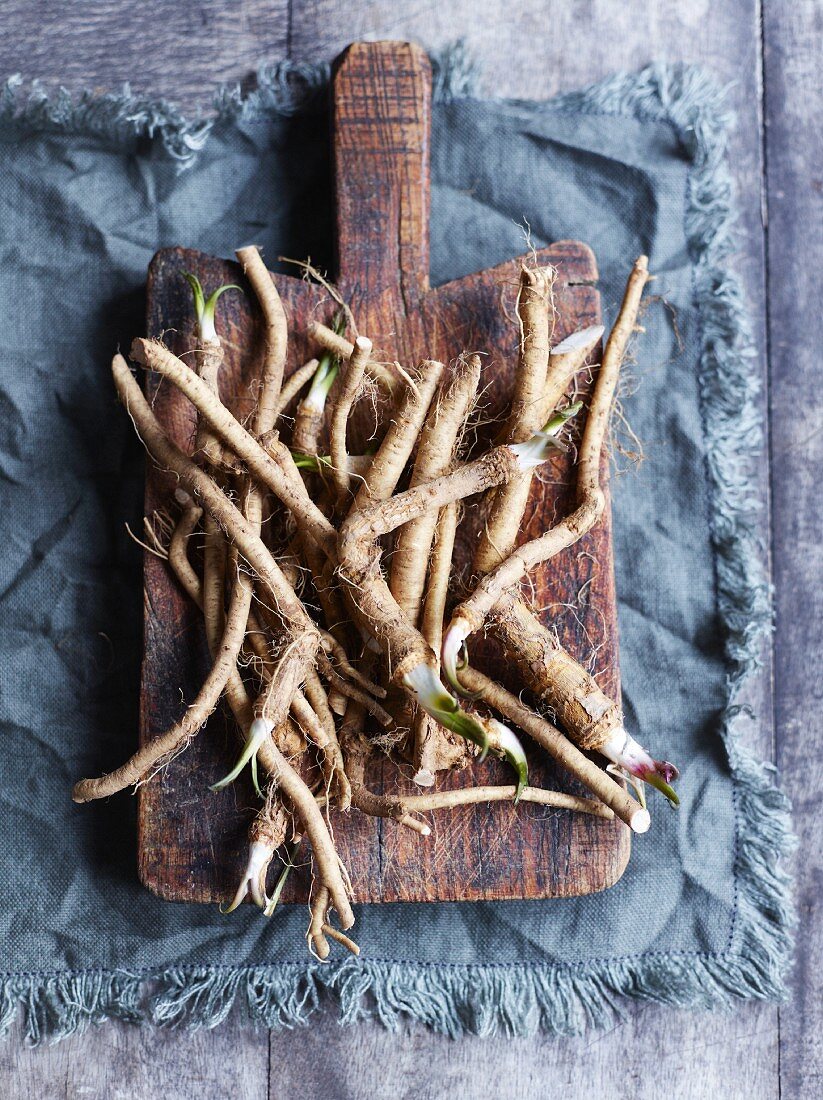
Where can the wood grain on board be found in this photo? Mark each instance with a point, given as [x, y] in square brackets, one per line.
[191, 841]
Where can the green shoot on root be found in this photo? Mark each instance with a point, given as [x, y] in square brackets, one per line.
[204, 308]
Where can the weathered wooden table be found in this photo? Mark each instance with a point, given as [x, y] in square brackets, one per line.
[769, 49]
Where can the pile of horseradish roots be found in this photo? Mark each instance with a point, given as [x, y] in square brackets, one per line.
[325, 649]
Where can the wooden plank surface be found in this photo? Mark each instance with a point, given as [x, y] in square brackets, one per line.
[527, 49]
[161, 47]
[794, 150]
[653, 1054]
[118, 1062]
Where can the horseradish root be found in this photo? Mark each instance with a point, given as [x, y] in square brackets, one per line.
[590, 497]
[434, 749]
[275, 339]
[589, 717]
[352, 379]
[325, 567]
[535, 313]
[311, 412]
[333, 341]
[410, 562]
[435, 453]
[208, 354]
[563, 751]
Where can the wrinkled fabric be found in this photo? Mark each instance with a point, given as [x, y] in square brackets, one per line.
[80, 217]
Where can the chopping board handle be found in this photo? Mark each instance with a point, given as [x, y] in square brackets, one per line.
[381, 119]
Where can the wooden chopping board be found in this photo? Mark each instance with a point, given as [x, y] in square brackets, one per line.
[192, 842]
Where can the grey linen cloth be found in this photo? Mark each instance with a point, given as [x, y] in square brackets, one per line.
[88, 192]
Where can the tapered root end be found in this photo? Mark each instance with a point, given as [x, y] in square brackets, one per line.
[346, 922]
[319, 946]
[415, 824]
[78, 792]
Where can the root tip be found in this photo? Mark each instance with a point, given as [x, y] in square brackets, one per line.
[641, 821]
[80, 792]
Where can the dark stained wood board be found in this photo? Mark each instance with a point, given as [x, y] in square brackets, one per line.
[192, 842]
